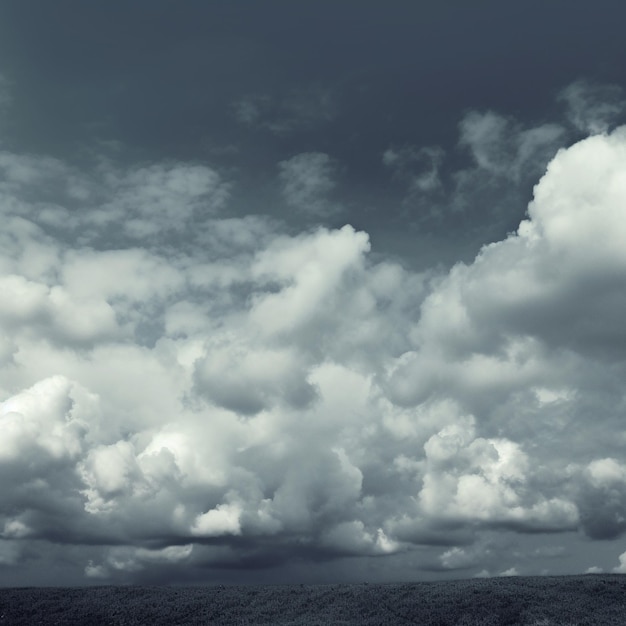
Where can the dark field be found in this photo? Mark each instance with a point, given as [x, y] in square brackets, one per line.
[571, 600]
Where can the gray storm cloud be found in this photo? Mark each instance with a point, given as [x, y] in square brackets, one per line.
[254, 396]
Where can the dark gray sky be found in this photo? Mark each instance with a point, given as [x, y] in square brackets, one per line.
[311, 290]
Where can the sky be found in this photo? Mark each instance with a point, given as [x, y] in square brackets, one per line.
[311, 291]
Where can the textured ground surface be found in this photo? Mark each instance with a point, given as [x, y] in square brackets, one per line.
[574, 600]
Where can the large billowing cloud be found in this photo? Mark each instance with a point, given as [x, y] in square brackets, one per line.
[212, 392]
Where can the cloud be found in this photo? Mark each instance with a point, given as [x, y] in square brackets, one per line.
[621, 568]
[140, 205]
[297, 110]
[306, 180]
[531, 312]
[534, 286]
[222, 520]
[512, 571]
[469, 479]
[601, 499]
[593, 108]
[480, 189]
[418, 167]
[244, 396]
[502, 147]
[162, 198]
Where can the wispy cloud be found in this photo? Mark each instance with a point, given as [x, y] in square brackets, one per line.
[481, 185]
[593, 108]
[299, 109]
[307, 180]
[418, 167]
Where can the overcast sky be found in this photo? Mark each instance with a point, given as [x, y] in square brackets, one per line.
[311, 291]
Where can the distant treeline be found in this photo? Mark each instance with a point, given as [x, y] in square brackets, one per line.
[536, 601]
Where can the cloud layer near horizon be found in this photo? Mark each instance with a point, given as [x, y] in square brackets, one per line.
[211, 391]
